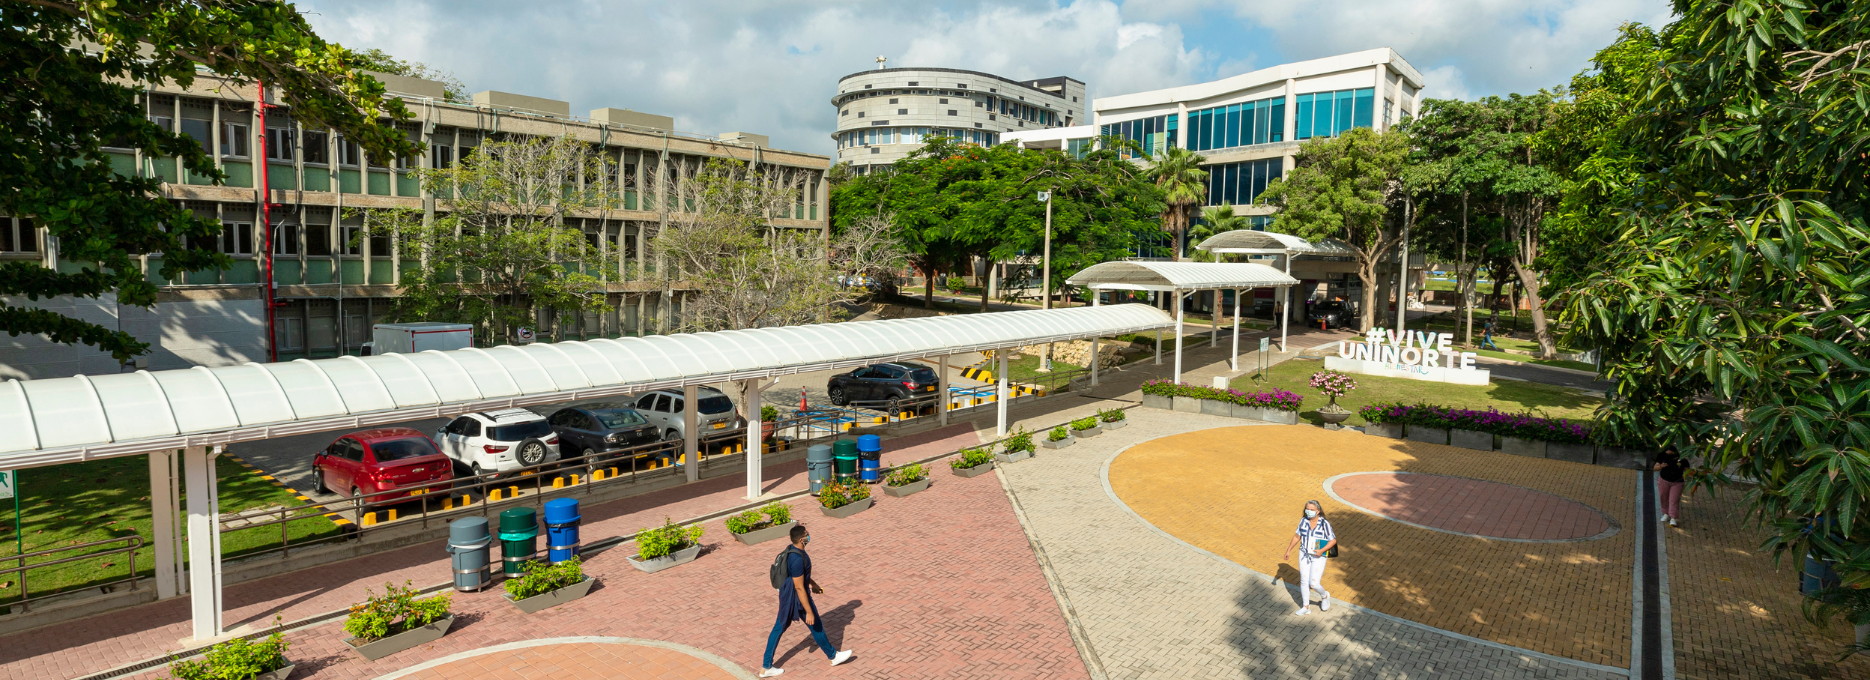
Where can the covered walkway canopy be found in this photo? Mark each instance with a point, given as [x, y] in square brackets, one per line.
[65, 420]
[1254, 242]
[1181, 278]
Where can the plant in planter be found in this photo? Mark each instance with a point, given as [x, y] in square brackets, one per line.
[972, 462]
[1058, 438]
[906, 480]
[842, 499]
[1084, 427]
[1113, 418]
[1333, 384]
[239, 659]
[542, 585]
[666, 546]
[385, 624]
[1016, 447]
[761, 524]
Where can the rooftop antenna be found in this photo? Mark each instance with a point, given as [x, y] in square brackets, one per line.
[880, 61]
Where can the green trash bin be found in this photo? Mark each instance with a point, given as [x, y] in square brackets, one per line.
[845, 452]
[519, 534]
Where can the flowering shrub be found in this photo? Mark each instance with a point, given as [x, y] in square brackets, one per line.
[1281, 400]
[1520, 425]
[1333, 383]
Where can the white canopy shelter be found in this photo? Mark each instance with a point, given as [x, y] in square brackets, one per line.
[1252, 242]
[1182, 278]
[193, 411]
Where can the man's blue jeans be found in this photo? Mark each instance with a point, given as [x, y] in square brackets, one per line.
[779, 627]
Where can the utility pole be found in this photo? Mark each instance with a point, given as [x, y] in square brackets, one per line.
[266, 226]
[1402, 266]
[1045, 273]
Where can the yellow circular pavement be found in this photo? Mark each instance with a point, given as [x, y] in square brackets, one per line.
[1238, 492]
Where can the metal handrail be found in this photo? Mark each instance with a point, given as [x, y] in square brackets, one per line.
[133, 542]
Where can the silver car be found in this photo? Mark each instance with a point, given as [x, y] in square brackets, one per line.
[664, 409]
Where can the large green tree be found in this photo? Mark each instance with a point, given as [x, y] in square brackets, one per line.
[1733, 307]
[70, 68]
[1184, 188]
[1341, 188]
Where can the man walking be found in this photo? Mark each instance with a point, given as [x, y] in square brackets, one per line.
[796, 587]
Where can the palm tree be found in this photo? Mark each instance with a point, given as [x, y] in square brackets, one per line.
[1217, 220]
[1184, 187]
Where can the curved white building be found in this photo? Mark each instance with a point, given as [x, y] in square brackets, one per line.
[885, 114]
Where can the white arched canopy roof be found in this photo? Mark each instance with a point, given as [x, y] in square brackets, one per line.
[60, 420]
[1172, 276]
[1269, 243]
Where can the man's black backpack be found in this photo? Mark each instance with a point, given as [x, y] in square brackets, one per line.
[778, 570]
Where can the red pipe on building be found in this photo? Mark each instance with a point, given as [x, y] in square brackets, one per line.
[266, 224]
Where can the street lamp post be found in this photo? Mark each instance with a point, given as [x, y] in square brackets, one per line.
[1045, 271]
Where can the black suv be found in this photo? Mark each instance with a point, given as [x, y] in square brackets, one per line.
[1329, 315]
[586, 429]
[879, 384]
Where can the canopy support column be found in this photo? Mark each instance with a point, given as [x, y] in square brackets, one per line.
[1002, 395]
[1234, 363]
[164, 505]
[204, 541]
[1214, 319]
[941, 382]
[691, 434]
[756, 435]
[1285, 316]
[1158, 347]
[1178, 336]
[1097, 300]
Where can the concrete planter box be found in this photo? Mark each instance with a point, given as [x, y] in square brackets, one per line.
[847, 509]
[1273, 415]
[1012, 457]
[1616, 456]
[1530, 448]
[543, 601]
[1248, 412]
[1216, 407]
[283, 673]
[407, 639]
[1390, 430]
[1154, 401]
[909, 489]
[758, 536]
[1469, 439]
[1114, 425]
[1576, 453]
[674, 559]
[975, 471]
[1187, 404]
[1095, 430]
[1062, 443]
[1430, 435]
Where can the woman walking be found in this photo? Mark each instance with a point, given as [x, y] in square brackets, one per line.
[1314, 539]
[1669, 469]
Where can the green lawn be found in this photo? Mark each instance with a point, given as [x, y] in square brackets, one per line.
[1576, 365]
[1505, 395]
[83, 502]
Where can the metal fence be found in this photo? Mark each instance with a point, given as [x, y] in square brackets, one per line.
[124, 544]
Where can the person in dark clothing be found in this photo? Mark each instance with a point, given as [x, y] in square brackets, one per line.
[1669, 482]
[795, 602]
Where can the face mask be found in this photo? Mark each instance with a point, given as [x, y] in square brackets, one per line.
[1310, 513]
[808, 540]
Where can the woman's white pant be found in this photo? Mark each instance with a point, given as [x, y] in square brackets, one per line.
[1311, 575]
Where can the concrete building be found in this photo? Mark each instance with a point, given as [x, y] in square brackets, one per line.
[329, 290]
[885, 114]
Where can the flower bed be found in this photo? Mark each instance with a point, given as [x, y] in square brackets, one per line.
[1278, 400]
[1517, 425]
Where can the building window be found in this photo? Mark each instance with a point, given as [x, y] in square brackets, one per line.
[201, 132]
[279, 144]
[953, 112]
[860, 114]
[902, 112]
[237, 238]
[348, 152]
[991, 117]
[314, 147]
[876, 149]
[1241, 183]
[961, 85]
[977, 125]
[17, 235]
[287, 332]
[1388, 115]
[845, 112]
[444, 156]
[892, 101]
[1155, 134]
[1329, 114]
[285, 239]
[1256, 122]
[944, 101]
[913, 83]
[234, 139]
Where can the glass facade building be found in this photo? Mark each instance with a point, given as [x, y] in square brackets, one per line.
[1241, 183]
[1156, 134]
[1256, 122]
[1328, 114]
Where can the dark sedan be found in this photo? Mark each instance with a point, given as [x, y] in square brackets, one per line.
[592, 428]
[880, 384]
[1329, 315]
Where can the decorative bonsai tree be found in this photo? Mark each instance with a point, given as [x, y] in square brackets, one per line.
[1333, 384]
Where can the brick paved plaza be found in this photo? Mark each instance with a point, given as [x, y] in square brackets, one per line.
[1151, 551]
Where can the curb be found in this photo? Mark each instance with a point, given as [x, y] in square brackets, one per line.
[334, 517]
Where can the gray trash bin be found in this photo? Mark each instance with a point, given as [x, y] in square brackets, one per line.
[818, 465]
[469, 541]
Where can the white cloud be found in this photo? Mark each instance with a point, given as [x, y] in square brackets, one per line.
[1445, 82]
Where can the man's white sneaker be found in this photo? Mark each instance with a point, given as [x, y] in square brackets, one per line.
[1665, 517]
[772, 672]
[1672, 523]
[842, 657]
[1302, 611]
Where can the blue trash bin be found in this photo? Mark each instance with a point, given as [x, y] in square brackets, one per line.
[561, 529]
[869, 457]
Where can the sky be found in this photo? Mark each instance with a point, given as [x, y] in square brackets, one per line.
[771, 66]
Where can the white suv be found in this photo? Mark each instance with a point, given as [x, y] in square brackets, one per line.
[499, 441]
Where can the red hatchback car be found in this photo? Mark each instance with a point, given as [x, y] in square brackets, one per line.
[381, 460]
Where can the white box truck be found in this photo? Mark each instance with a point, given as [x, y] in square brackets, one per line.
[422, 336]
